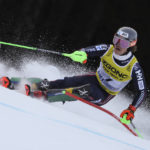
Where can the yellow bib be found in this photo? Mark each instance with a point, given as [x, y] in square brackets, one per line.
[114, 71]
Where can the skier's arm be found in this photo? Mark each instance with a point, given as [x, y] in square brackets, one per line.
[92, 51]
[96, 51]
[139, 84]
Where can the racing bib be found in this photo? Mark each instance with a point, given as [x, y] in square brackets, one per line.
[112, 77]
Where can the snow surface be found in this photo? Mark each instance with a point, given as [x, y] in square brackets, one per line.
[33, 124]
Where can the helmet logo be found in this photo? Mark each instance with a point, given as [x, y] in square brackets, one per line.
[123, 34]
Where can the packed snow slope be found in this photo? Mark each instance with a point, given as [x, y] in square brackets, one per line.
[32, 124]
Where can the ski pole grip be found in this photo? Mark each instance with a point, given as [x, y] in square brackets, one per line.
[77, 56]
[124, 120]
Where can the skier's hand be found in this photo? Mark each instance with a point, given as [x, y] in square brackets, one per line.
[129, 112]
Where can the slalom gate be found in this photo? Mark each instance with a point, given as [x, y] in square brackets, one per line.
[104, 110]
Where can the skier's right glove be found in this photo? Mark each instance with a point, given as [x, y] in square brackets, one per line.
[129, 112]
[5, 82]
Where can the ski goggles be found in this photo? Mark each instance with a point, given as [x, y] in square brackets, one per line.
[122, 42]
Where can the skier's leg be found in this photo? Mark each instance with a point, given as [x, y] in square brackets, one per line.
[65, 83]
[96, 94]
[100, 96]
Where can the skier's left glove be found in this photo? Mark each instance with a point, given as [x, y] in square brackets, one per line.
[129, 112]
[5, 82]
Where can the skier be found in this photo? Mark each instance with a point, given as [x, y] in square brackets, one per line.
[118, 66]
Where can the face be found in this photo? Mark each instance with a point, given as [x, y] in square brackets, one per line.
[120, 45]
[118, 50]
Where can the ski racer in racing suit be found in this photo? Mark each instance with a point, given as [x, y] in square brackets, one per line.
[118, 66]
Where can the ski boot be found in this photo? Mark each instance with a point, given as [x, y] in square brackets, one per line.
[37, 94]
[42, 85]
[57, 95]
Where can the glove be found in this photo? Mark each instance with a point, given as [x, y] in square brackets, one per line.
[129, 112]
[5, 82]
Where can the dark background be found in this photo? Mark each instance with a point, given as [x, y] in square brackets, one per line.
[68, 25]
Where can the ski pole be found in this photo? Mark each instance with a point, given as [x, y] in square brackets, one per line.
[135, 129]
[128, 122]
[78, 56]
